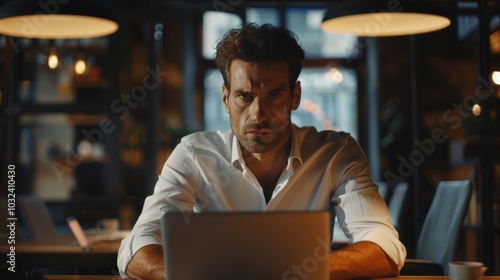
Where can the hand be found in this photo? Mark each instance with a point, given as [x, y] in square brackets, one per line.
[147, 263]
[364, 259]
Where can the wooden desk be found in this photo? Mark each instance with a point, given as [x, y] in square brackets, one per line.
[64, 255]
[435, 278]
[113, 277]
[62, 246]
[83, 277]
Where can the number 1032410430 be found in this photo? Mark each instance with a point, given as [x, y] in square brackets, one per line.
[11, 191]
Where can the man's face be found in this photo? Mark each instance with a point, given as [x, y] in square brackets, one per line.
[259, 103]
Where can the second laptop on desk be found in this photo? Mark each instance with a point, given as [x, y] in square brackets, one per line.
[246, 245]
[86, 239]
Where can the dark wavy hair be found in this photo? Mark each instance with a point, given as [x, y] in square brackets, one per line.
[254, 43]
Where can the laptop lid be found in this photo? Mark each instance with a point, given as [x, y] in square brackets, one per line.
[86, 238]
[79, 234]
[246, 245]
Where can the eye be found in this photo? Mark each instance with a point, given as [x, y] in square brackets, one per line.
[244, 96]
[275, 95]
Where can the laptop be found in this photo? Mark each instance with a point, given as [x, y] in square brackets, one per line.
[246, 245]
[86, 239]
[79, 234]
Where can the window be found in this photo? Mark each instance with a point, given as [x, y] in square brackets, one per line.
[305, 23]
[215, 116]
[215, 24]
[329, 100]
[263, 15]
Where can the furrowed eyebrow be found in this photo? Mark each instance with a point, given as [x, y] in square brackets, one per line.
[274, 90]
[278, 89]
[240, 91]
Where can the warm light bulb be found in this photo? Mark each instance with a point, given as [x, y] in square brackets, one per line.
[334, 76]
[476, 110]
[495, 77]
[53, 61]
[84, 148]
[80, 66]
[385, 23]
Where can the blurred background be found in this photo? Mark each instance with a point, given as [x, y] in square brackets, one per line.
[89, 123]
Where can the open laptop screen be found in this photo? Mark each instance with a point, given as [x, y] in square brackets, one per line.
[79, 234]
[246, 245]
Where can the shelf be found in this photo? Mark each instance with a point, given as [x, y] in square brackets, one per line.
[59, 108]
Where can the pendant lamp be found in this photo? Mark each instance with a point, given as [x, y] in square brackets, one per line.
[374, 18]
[55, 19]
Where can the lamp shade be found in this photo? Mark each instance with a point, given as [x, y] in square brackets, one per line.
[55, 19]
[374, 18]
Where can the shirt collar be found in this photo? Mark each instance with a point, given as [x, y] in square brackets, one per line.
[237, 158]
[294, 151]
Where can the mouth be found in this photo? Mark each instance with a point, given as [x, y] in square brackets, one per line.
[263, 132]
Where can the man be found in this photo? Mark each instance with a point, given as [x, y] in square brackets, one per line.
[266, 163]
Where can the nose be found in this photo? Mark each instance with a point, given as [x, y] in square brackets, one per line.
[257, 111]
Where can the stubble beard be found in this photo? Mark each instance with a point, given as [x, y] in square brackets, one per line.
[260, 143]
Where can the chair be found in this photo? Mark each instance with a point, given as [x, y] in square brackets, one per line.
[383, 189]
[436, 243]
[37, 217]
[397, 203]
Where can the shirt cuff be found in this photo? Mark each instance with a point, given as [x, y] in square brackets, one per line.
[129, 246]
[391, 246]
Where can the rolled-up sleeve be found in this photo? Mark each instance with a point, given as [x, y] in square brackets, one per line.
[362, 212]
[173, 192]
[363, 216]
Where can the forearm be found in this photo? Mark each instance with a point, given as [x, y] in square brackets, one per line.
[147, 263]
[363, 259]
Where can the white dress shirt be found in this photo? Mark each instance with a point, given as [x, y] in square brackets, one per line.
[206, 172]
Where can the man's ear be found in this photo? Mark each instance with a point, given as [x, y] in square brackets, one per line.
[225, 97]
[297, 93]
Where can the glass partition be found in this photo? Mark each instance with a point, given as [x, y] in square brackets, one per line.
[306, 24]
